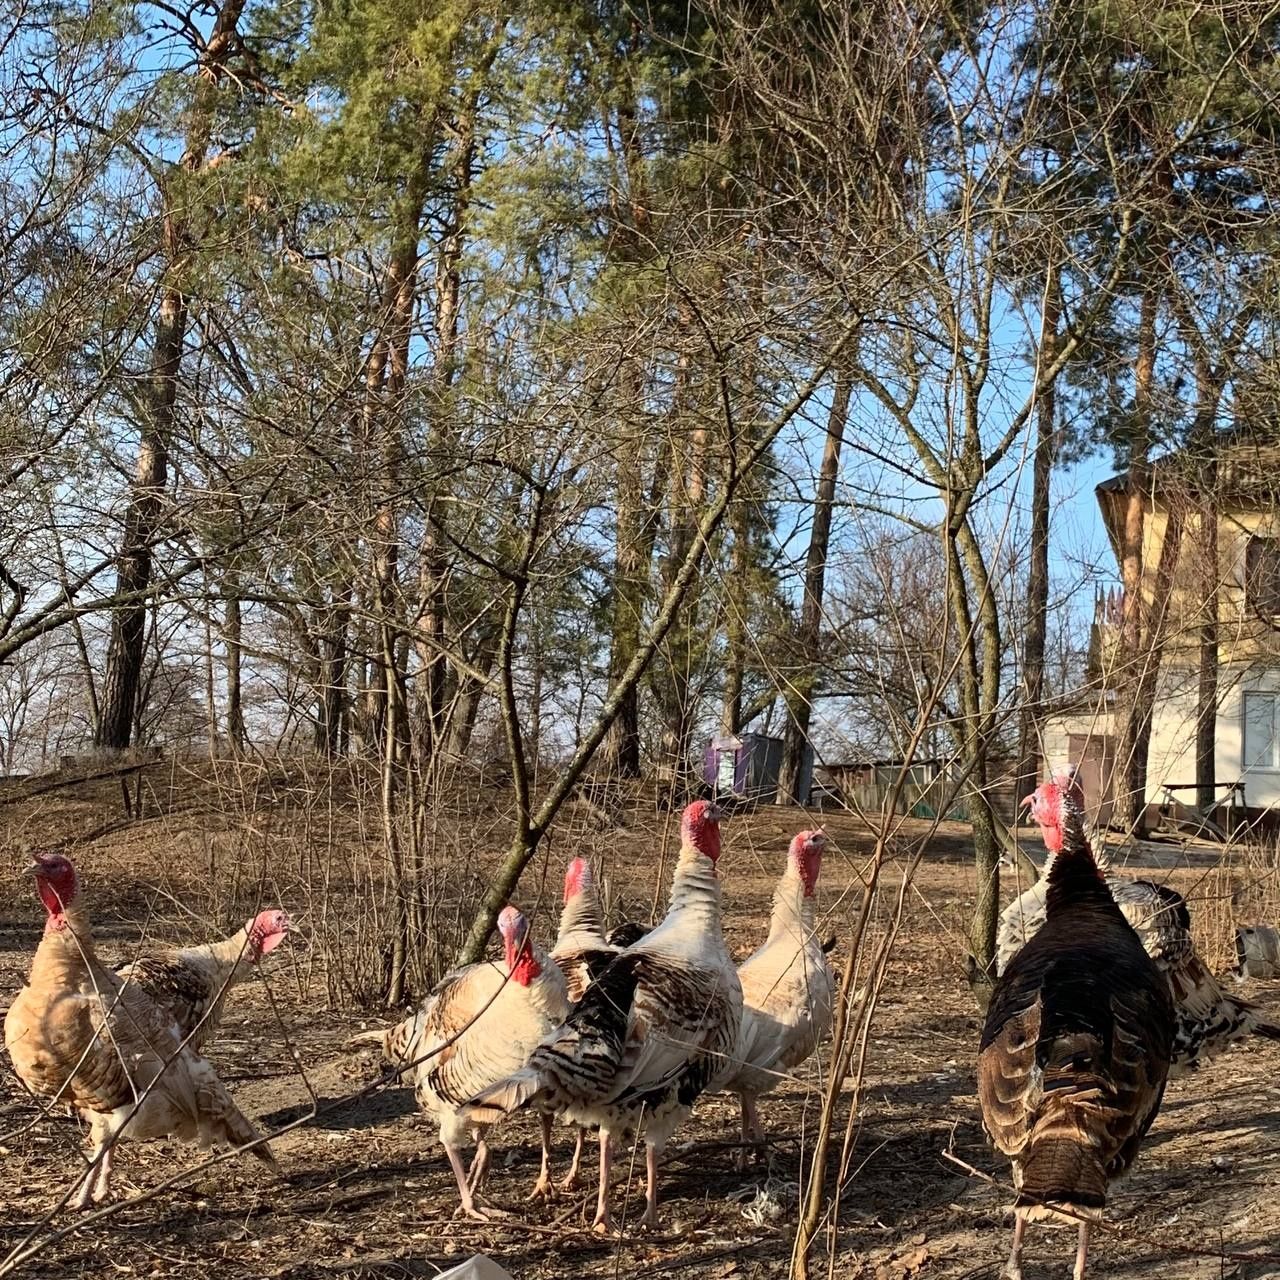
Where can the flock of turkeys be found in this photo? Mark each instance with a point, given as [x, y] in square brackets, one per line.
[1100, 998]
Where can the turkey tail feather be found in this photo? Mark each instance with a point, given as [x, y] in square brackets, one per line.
[1066, 1172]
[264, 1153]
[239, 1131]
[1269, 1030]
[507, 1095]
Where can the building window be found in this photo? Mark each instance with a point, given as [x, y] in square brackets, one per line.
[1261, 722]
[1262, 577]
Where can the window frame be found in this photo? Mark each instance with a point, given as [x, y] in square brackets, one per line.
[1255, 543]
[1247, 766]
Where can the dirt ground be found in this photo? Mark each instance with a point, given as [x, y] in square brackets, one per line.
[368, 1193]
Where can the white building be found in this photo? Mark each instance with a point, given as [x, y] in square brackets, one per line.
[1246, 580]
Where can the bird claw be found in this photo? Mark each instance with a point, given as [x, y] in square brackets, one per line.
[543, 1189]
[481, 1212]
[570, 1182]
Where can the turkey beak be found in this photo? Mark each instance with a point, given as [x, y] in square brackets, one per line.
[33, 868]
[1027, 801]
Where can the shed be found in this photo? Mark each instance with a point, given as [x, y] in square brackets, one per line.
[748, 765]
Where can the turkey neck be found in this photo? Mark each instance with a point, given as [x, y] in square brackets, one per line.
[695, 890]
[1075, 876]
[581, 914]
[546, 993]
[1101, 858]
[234, 953]
[793, 912]
[66, 950]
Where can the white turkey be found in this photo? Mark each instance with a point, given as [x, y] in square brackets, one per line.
[651, 1032]
[479, 1024]
[788, 991]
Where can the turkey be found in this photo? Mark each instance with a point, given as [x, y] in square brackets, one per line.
[583, 954]
[1208, 1020]
[788, 991]
[192, 982]
[479, 1024]
[581, 950]
[1077, 1042]
[651, 1032]
[77, 1033]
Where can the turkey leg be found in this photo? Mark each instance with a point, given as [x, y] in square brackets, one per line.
[544, 1188]
[479, 1165]
[1081, 1252]
[1013, 1269]
[97, 1182]
[570, 1181]
[649, 1220]
[468, 1205]
[603, 1223]
[752, 1133]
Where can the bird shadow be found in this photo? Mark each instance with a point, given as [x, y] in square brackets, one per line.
[374, 1109]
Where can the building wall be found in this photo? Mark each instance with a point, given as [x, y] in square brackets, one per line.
[1243, 637]
[1262, 785]
[1172, 757]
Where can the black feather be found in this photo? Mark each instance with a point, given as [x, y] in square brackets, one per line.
[627, 934]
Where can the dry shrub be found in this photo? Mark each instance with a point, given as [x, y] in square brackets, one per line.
[1241, 888]
[220, 840]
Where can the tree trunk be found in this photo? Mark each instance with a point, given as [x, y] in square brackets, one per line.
[470, 690]
[1207, 685]
[133, 572]
[231, 643]
[1029, 763]
[332, 684]
[435, 558]
[687, 473]
[1147, 682]
[735, 626]
[630, 587]
[636, 527]
[986, 907]
[1131, 762]
[210, 682]
[798, 695]
[142, 520]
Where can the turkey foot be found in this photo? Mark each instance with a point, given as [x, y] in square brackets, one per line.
[96, 1186]
[544, 1189]
[479, 1212]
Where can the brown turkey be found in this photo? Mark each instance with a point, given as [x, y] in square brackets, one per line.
[1077, 1042]
[1208, 1019]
